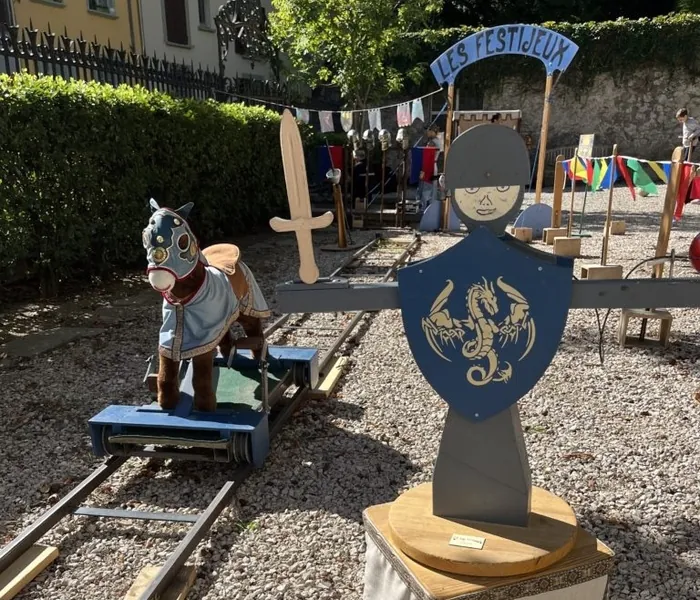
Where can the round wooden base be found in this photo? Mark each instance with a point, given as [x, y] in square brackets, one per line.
[496, 550]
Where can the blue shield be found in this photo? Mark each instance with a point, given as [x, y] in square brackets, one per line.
[484, 320]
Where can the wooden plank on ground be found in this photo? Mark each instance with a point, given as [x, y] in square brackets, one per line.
[25, 569]
[327, 384]
[177, 590]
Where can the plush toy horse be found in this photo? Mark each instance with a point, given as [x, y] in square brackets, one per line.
[204, 293]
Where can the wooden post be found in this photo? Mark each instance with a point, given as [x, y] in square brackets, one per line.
[543, 139]
[608, 216]
[448, 141]
[669, 206]
[558, 191]
[572, 170]
[340, 216]
[381, 203]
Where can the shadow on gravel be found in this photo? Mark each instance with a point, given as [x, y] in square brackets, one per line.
[649, 558]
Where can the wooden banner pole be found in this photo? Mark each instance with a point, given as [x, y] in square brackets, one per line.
[572, 170]
[558, 191]
[543, 138]
[448, 141]
[608, 216]
[669, 207]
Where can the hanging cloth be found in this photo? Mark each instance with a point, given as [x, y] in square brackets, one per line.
[375, 119]
[417, 111]
[346, 120]
[326, 118]
[303, 115]
[403, 114]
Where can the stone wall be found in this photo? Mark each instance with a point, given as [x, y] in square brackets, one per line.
[637, 114]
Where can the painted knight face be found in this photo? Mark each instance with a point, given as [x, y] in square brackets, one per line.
[487, 203]
[171, 247]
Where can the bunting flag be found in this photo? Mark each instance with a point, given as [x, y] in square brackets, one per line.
[660, 173]
[581, 173]
[640, 178]
[346, 120]
[422, 159]
[326, 118]
[589, 172]
[324, 158]
[625, 173]
[683, 187]
[599, 170]
[609, 177]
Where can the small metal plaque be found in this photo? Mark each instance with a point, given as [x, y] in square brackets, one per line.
[467, 541]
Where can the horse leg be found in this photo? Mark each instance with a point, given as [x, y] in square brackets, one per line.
[226, 344]
[204, 397]
[254, 331]
[168, 389]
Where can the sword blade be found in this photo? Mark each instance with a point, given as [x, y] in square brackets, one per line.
[294, 167]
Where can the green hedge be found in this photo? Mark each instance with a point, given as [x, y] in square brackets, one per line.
[79, 161]
[618, 47]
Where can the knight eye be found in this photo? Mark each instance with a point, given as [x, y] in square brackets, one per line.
[503, 188]
[471, 190]
[183, 242]
[159, 255]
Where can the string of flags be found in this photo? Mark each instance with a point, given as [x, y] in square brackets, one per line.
[598, 173]
[637, 173]
[330, 121]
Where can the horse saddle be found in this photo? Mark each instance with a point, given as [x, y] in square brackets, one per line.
[225, 258]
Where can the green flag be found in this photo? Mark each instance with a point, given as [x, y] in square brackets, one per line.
[640, 177]
[596, 175]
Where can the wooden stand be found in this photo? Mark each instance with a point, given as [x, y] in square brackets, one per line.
[524, 234]
[390, 574]
[592, 271]
[491, 550]
[618, 228]
[665, 318]
[567, 246]
[550, 233]
[25, 569]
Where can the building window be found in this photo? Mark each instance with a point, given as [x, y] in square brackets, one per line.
[203, 6]
[105, 7]
[176, 22]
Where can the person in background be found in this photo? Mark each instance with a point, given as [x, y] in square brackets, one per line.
[428, 185]
[691, 131]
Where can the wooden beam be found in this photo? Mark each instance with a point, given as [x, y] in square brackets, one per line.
[25, 569]
[669, 207]
[608, 216]
[558, 191]
[330, 381]
[177, 590]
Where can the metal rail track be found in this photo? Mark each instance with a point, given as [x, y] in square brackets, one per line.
[202, 523]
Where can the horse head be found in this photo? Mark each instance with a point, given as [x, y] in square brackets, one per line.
[171, 247]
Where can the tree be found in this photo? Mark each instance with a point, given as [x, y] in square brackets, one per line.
[349, 44]
[688, 6]
[499, 12]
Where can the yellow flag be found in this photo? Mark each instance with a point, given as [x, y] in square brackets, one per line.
[659, 171]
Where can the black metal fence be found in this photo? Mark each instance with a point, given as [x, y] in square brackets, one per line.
[48, 53]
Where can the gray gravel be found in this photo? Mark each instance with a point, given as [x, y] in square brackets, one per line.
[618, 441]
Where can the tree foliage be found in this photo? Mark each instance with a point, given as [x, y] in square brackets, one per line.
[499, 12]
[349, 44]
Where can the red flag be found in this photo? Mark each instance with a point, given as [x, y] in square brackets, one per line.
[625, 173]
[428, 167]
[589, 171]
[683, 186]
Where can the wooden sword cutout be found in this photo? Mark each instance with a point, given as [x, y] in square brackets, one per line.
[301, 221]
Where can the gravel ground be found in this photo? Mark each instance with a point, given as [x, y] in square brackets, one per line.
[618, 441]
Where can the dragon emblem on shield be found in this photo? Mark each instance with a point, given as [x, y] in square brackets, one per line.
[480, 336]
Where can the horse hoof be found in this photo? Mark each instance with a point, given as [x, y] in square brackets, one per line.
[205, 403]
[168, 399]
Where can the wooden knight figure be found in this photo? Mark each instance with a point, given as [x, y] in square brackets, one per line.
[205, 291]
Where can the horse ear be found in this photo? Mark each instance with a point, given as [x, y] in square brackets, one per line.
[154, 205]
[184, 211]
